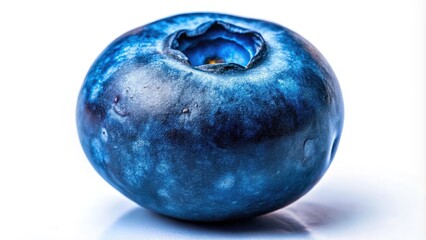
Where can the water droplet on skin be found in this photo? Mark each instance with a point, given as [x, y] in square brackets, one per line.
[104, 135]
[185, 110]
[116, 99]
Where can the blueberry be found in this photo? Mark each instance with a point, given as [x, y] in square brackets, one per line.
[210, 117]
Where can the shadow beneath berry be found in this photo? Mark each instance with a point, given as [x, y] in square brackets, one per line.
[295, 221]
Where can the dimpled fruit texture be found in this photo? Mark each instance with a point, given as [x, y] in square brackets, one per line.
[210, 117]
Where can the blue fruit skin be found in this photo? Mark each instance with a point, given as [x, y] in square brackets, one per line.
[210, 146]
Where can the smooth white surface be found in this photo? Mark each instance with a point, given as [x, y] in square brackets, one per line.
[375, 188]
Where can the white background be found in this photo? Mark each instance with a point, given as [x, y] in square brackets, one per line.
[375, 188]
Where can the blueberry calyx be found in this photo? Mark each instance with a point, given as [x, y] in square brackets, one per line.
[217, 46]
